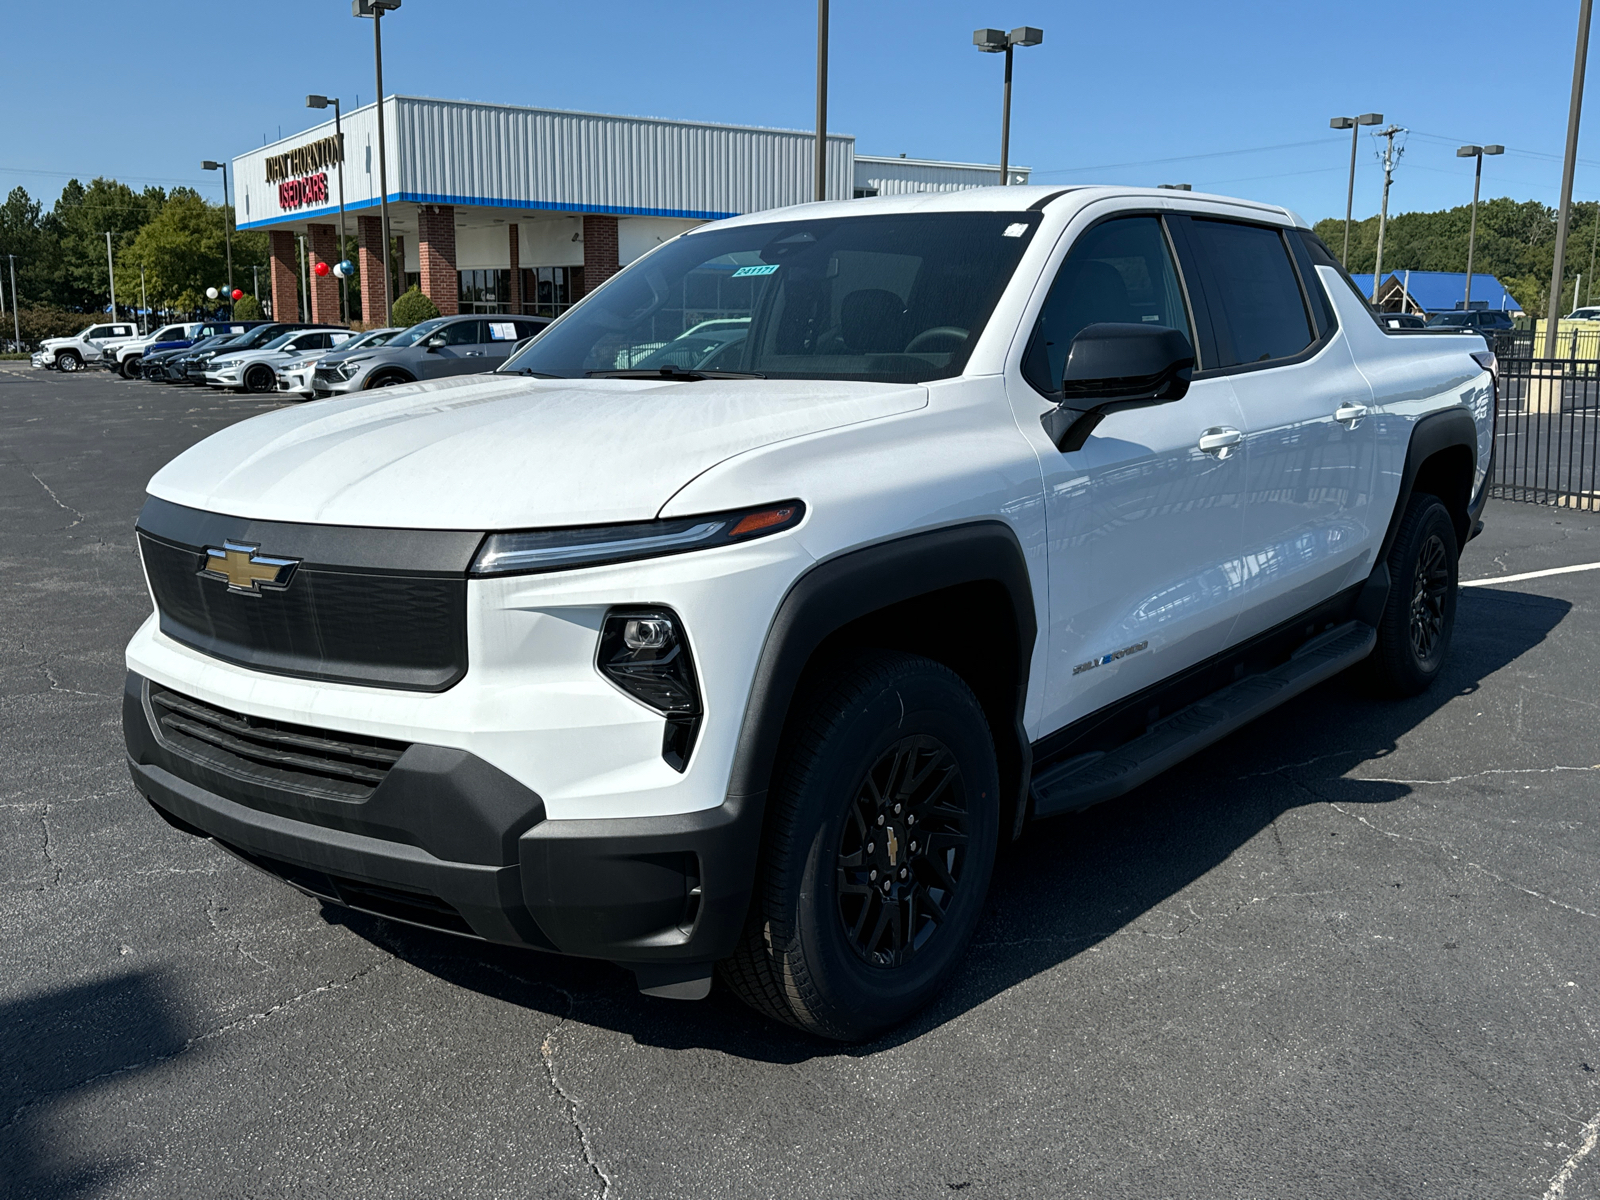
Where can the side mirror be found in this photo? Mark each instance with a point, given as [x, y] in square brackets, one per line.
[1113, 366]
[434, 342]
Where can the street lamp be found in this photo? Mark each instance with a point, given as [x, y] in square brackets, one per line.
[995, 41]
[1353, 124]
[227, 214]
[375, 9]
[1474, 152]
[338, 133]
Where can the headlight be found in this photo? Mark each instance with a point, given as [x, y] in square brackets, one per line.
[299, 364]
[351, 367]
[538, 550]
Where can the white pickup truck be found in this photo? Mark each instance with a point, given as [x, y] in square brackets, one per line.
[84, 347]
[744, 662]
[125, 357]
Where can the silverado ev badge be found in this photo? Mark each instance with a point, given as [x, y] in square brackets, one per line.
[247, 571]
[1109, 658]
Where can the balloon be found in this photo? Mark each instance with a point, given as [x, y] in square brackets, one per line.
[211, 293]
[320, 269]
[344, 269]
[238, 294]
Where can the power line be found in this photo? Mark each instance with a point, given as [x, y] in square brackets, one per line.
[1155, 162]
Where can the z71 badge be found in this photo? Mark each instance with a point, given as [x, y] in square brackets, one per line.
[1109, 658]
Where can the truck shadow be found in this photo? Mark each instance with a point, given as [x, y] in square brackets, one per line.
[57, 1048]
[1071, 882]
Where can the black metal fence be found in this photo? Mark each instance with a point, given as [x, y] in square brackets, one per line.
[1577, 342]
[1547, 437]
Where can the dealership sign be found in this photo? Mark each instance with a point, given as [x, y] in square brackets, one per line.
[314, 156]
[297, 193]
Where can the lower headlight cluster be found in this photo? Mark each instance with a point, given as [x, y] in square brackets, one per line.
[645, 652]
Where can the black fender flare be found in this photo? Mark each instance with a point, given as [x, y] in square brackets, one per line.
[1431, 434]
[383, 372]
[841, 590]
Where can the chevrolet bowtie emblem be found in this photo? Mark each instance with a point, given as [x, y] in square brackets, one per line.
[246, 570]
[894, 847]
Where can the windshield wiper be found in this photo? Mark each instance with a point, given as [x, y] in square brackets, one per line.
[678, 373]
[531, 373]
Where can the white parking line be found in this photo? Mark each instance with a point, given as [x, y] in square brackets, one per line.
[1594, 566]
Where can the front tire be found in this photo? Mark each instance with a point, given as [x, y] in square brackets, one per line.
[879, 845]
[1420, 616]
[387, 379]
[128, 368]
[260, 379]
[69, 361]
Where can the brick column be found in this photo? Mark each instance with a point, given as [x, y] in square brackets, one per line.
[285, 293]
[599, 250]
[324, 245]
[515, 297]
[436, 254]
[369, 233]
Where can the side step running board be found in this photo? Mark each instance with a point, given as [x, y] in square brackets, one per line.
[1091, 778]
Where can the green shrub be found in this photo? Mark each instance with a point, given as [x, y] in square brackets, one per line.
[247, 308]
[413, 307]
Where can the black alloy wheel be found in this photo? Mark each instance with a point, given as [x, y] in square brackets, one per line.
[877, 847]
[260, 379]
[902, 851]
[1419, 617]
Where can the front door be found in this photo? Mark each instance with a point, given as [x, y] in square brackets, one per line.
[460, 351]
[1145, 519]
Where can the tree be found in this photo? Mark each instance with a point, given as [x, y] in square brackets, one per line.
[22, 234]
[412, 307]
[78, 224]
[183, 252]
[248, 309]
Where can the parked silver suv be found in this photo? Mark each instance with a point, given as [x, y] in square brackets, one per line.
[464, 345]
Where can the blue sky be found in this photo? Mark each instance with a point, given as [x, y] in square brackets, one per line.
[1230, 96]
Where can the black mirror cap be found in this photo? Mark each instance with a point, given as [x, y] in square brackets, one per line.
[1118, 363]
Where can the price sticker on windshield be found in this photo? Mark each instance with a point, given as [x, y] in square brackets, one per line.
[764, 269]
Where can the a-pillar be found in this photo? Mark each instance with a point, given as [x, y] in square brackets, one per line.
[369, 236]
[324, 288]
[600, 261]
[436, 256]
[285, 295]
[514, 295]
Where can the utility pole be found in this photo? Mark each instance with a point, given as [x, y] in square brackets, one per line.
[144, 305]
[1593, 246]
[1390, 157]
[1353, 124]
[375, 9]
[111, 274]
[1568, 169]
[822, 100]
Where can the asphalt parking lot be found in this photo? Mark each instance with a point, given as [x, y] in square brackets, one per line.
[1352, 951]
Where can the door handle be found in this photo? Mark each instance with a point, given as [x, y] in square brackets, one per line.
[1220, 440]
[1349, 415]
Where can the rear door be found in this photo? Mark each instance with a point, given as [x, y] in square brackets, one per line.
[499, 336]
[1309, 448]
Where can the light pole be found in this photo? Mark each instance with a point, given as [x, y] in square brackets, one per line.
[822, 100]
[111, 276]
[1474, 152]
[16, 316]
[994, 41]
[375, 9]
[227, 214]
[1353, 124]
[338, 134]
[305, 282]
[1568, 169]
[144, 304]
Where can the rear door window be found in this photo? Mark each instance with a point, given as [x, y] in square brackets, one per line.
[1257, 308]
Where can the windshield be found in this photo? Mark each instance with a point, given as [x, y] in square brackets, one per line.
[410, 337]
[1449, 319]
[899, 297]
[279, 341]
[373, 337]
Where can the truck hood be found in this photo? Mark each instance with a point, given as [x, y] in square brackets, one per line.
[505, 452]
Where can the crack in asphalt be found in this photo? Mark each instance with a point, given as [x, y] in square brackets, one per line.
[245, 1021]
[52, 494]
[1479, 774]
[49, 847]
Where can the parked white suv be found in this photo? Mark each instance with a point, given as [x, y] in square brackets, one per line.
[257, 370]
[84, 347]
[1005, 501]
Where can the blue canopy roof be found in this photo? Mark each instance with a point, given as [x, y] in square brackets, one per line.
[1442, 291]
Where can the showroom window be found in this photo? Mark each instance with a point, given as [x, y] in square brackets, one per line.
[485, 291]
[550, 291]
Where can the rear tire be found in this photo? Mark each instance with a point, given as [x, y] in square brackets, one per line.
[260, 379]
[1420, 615]
[878, 848]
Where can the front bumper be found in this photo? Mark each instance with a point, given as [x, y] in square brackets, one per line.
[450, 842]
[296, 382]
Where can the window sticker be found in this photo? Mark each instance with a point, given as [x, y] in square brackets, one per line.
[502, 331]
[764, 269]
[1016, 230]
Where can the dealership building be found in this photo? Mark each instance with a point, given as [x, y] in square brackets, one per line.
[500, 208]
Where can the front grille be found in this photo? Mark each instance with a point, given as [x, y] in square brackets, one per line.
[340, 766]
[384, 608]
